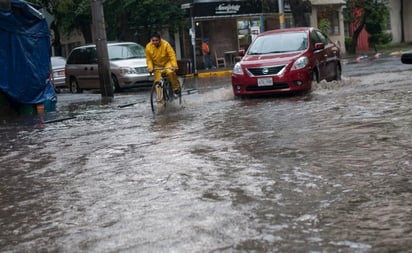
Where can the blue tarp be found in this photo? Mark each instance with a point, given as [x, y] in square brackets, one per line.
[25, 52]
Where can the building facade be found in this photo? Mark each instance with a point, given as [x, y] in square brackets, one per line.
[231, 26]
[400, 20]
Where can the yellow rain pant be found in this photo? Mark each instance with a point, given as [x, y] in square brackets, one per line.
[172, 77]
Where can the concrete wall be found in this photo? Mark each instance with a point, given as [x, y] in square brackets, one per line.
[407, 20]
[338, 38]
[395, 20]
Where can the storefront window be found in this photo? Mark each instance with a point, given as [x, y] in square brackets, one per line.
[247, 29]
[328, 13]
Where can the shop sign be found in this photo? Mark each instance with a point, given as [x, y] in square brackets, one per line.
[225, 8]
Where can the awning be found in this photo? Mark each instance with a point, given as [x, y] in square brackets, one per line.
[225, 9]
[327, 2]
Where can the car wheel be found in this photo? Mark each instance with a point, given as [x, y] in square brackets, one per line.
[116, 87]
[338, 72]
[315, 76]
[74, 86]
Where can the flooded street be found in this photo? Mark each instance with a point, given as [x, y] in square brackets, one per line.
[327, 171]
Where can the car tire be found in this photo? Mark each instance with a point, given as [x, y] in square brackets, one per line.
[115, 82]
[315, 76]
[74, 86]
[338, 72]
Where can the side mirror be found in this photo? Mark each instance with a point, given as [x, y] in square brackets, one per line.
[242, 52]
[319, 46]
[406, 57]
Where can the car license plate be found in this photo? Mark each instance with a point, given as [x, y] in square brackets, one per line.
[265, 82]
[58, 74]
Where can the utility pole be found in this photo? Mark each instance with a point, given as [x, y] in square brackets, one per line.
[192, 32]
[193, 40]
[281, 14]
[106, 87]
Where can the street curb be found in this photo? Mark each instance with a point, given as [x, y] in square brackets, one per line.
[210, 74]
[215, 73]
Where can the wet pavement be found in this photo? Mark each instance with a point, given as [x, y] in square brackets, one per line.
[326, 171]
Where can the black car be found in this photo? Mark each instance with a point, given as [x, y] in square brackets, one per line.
[406, 57]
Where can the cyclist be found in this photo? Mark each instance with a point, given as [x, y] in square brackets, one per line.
[160, 54]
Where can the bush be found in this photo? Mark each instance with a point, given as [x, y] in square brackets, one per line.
[324, 26]
[348, 41]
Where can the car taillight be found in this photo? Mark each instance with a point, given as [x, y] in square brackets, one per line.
[51, 77]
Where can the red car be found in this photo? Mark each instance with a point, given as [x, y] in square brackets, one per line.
[286, 60]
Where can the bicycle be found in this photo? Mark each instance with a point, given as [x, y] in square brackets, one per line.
[161, 92]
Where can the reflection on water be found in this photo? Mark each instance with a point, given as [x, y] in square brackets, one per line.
[327, 171]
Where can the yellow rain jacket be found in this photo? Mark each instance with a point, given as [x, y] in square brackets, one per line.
[162, 56]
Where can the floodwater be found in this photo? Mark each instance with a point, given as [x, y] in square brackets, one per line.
[326, 171]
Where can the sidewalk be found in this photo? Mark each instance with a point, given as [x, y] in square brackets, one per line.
[227, 71]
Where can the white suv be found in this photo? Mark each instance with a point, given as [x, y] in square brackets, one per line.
[127, 67]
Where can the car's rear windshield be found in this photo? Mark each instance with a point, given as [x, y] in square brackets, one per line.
[279, 43]
[58, 61]
[125, 51]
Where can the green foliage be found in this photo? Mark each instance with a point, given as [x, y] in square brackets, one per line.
[380, 38]
[143, 16]
[348, 42]
[377, 19]
[122, 17]
[372, 15]
[325, 26]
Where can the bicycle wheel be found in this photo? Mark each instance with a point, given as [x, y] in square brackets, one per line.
[168, 91]
[157, 100]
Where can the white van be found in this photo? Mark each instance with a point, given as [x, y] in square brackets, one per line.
[127, 67]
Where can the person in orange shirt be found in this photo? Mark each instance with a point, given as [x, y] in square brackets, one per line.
[160, 54]
[206, 54]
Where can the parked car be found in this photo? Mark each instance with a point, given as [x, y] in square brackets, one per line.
[127, 67]
[58, 76]
[286, 60]
[406, 58]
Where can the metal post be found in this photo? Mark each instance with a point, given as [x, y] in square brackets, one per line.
[106, 87]
[193, 38]
[262, 24]
[281, 14]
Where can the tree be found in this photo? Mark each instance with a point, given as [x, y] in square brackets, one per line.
[51, 7]
[148, 16]
[402, 21]
[298, 9]
[77, 16]
[124, 19]
[369, 14]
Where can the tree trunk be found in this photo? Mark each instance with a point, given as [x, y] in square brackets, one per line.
[87, 33]
[355, 36]
[299, 9]
[402, 22]
[125, 34]
[56, 42]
